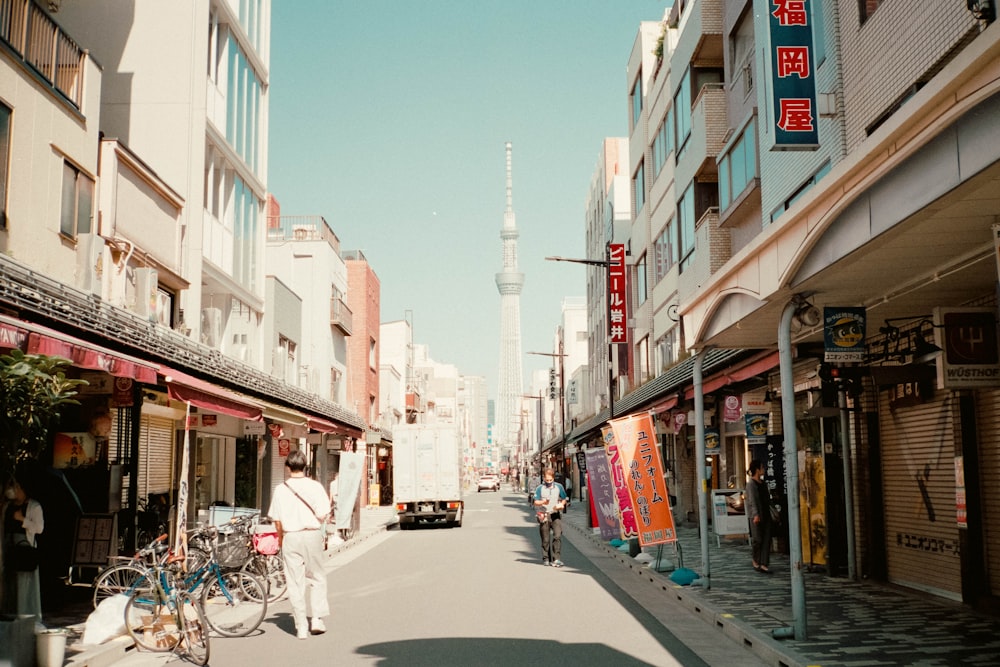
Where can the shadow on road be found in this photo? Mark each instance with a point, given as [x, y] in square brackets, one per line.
[493, 651]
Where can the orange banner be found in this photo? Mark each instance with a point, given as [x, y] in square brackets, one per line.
[643, 468]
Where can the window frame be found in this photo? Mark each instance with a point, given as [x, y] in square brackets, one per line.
[69, 221]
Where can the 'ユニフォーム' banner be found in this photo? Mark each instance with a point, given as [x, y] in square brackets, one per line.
[602, 491]
[624, 503]
[643, 467]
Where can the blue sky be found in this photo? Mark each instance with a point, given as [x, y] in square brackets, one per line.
[389, 119]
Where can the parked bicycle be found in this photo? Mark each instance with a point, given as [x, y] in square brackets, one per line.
[165, 616]
[234, 602]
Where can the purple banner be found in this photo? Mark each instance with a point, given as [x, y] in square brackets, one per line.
[602, 492]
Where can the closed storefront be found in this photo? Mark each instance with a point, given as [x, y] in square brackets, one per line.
[922, 541]
[988, 410]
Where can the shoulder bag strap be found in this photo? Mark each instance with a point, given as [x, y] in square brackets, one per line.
[303, 501]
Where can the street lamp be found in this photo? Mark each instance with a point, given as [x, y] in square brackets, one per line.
[538, 415]
[562, 401]
[607, 264]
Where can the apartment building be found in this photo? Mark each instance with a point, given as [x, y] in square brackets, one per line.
[134, 247]
[882, 213]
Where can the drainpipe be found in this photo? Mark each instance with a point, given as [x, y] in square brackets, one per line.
[845, 451]
[699, 454]
[798, 629]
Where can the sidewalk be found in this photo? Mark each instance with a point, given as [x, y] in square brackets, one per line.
[73, 616]
[848, 623]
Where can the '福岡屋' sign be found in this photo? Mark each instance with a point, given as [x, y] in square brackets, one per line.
[793, 85]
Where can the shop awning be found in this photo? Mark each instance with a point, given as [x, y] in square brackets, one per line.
[205, 395]
[284, 415]
[321, 425]
[754, 366]
[36, 339]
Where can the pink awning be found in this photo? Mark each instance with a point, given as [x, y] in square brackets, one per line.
[755, 366]
[41, 340]
[205, 395]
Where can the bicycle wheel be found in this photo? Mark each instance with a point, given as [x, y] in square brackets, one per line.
[194, 634]
[123, 578]
[234, 603]
[271, 571]
[151, 623]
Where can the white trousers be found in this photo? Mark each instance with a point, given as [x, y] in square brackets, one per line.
[302, 552]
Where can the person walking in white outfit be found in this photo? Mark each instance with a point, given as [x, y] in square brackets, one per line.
[300, 506]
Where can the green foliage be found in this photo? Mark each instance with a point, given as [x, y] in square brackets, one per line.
[33, 390]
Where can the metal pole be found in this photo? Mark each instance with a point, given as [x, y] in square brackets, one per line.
[845, 451]
[798, 630]
[699, 449]
[562, 404]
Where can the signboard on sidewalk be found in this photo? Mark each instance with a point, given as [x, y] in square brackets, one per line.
[602, 494]
[640, 459]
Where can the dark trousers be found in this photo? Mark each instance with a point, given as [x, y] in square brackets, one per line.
[760, 540]
[551, 532]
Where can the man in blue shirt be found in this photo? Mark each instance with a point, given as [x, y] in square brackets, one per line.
[549, 499]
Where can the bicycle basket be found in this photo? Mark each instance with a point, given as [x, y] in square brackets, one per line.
[233, 550]
[266, 543]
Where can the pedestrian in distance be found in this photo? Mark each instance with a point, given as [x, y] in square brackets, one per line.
[758, 504]
[549, 500]
[299, 508]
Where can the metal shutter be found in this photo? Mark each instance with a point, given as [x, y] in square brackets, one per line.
[988, 411]
[918, 465]
[155, 465]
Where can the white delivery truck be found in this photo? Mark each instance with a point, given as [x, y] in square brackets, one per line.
[427, 474]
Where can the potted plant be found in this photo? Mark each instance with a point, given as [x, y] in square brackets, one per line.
[33, 390]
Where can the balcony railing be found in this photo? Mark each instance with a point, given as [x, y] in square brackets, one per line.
[301, 228]
[341, 316]
[43, 46]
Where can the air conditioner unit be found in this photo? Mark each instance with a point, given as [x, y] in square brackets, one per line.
[211, 327]
[90, 263]
[147, 296]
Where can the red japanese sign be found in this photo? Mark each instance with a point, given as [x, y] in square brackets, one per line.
[617, 295]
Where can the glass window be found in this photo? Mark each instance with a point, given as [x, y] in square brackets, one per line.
[686, 221]
[682, 112]
[639, 187]
[636, 99]
[819, 35]
[4, 161]
[77, 202]
[665, 249]
[641, 292]
[724, 182]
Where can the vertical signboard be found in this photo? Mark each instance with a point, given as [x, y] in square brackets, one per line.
[792, 76]
[643, 467]
[617, 303]
[625, 513]
[602, 493]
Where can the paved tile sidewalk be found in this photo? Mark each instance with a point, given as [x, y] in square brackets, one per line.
[848, 623]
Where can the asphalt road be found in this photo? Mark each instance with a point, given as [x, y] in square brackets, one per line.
[480, 595]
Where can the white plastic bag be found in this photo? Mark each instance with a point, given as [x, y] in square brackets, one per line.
[107, 621]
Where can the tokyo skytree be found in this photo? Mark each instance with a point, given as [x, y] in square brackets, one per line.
[509, 283]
